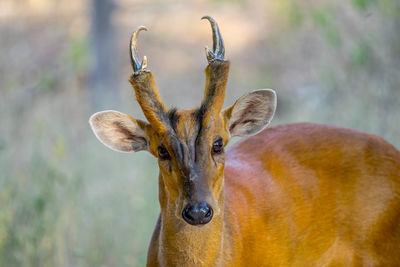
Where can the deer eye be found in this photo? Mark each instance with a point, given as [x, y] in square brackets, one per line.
[163, 153]
[218, 146]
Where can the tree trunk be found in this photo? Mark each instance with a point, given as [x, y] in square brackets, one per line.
[103, 81]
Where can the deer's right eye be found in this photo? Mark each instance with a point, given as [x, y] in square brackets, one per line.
[163, 153]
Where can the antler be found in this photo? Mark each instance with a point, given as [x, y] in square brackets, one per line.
[145, 87]
[147, 93]
[217, 73]
[136, 65]
[218, 42]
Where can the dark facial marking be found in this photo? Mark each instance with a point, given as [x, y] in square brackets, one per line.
[198, 115]
[173, 118]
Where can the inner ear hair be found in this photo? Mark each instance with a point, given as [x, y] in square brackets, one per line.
[251, 113]
[119, 131]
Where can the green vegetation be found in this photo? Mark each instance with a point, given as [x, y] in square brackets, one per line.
[325, 21]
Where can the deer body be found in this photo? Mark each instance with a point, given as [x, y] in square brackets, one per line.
[293, 200]
[293, 195]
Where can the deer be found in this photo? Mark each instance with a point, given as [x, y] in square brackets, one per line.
[300, 194]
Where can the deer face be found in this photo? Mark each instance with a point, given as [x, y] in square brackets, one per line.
[189, 144]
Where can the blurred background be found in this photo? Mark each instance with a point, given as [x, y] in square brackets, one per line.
[67, 200]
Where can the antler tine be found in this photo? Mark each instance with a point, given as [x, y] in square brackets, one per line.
[135, 61]
[218, 43]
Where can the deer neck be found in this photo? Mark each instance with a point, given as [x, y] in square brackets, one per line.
[181, 244]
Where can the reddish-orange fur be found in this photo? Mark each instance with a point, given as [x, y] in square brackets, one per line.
[301, 195]
[313, 195]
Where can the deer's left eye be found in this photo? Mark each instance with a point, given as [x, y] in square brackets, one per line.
[218, 146]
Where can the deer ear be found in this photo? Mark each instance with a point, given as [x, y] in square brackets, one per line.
[119, 131]
[251, 113]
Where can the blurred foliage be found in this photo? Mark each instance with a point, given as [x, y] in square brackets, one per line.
[47, 82]
[361, 54]
[363, 4]
[65, 200]
[295, 13]
[77, 54]
[325, 21]
[31, 215]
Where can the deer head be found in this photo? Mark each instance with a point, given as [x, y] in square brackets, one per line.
[189, 144]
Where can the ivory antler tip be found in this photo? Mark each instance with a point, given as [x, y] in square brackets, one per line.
[135, 61]
[218, 43]
[208, 18]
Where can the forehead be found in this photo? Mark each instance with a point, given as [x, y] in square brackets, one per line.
[190, 135]
[186, 124]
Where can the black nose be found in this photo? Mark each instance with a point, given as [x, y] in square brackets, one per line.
[200, 213]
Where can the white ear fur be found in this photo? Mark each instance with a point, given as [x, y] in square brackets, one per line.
[118, 131]
[251, 113]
